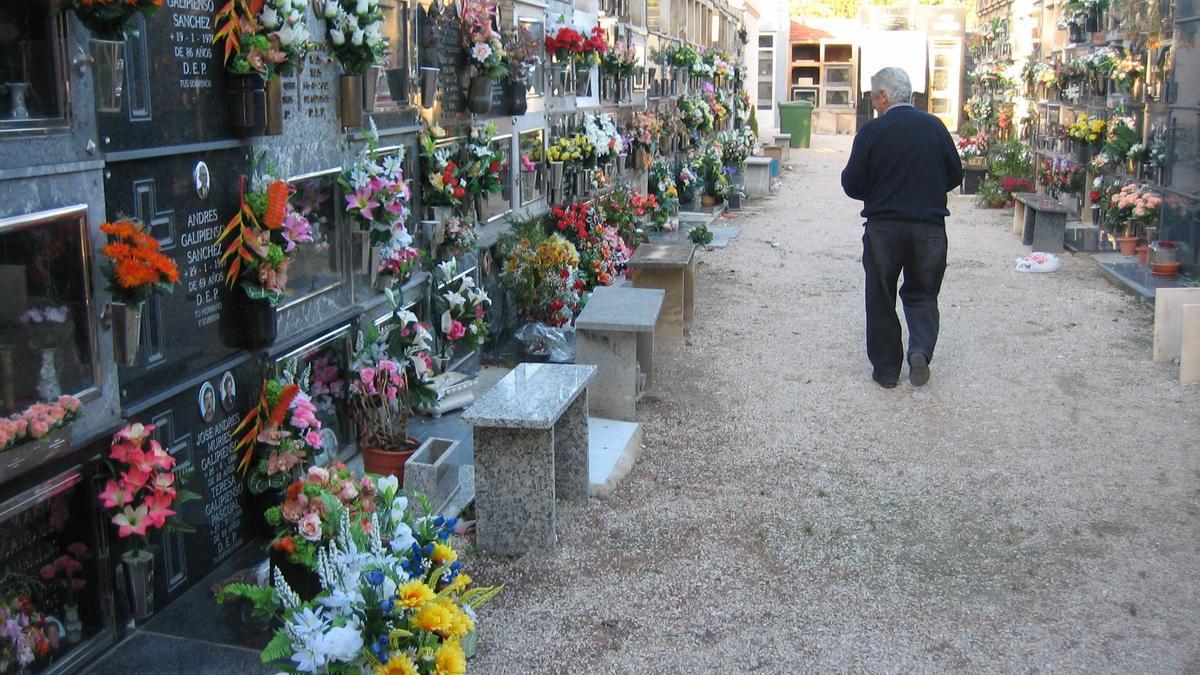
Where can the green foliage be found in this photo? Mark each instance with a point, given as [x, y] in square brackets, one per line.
[990, 191]
[825, 9]
[1010, 159]
[701, 235]
[265, 602]
[278, 649]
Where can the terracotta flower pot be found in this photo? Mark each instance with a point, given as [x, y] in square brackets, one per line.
[387, 462]
[1143, 254]
[1127, 245]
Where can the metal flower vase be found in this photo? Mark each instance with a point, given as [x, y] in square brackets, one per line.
[429, 80]
[583, 79]
[247, 103]
[108, 59]
[365, 252]
[370, 88]
[479, 95]
[127, 331]
[528, 184]
[560, 77]
[139, 573]
[397, 79]
[274, 102]
[350, 109]
[554, 181]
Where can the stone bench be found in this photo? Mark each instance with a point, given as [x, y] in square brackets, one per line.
[615, 332]
[785, 141]
[758, 176]
[1170, 308]
[672, 268]
[1189, 346]
[531, 447]
[1043, 221]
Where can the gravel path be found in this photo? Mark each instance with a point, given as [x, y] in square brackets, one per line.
[1035, 508]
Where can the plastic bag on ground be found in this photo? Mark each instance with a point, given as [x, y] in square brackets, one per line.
[1038, 262]
[541, 340]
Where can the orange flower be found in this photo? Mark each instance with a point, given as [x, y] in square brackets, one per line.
[277, 197]
[136, 263]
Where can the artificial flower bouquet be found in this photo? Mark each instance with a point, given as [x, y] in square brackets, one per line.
[543, 273]
[262, 38]
[312, 506]
[572, 151]
[619, 60]
[523, 53]
[37, 421]
[1061, 175]
[601, 133]
[485, 163]
[377, 194]
[392, 374]
[601, 251]
[398, 263]
[394, 597]
[106, 19]
[145, 489]
[134, 267]
[461, 308]
[485, 49]
[1136, 204]
[683, 56]
[566, 43]
[627, 211]
[644, 132]
[1122, 137]
[1126, 71]
[460, 236]
[261, 238]
[444, 180]
[355, 32]
[686, 183]
[280, 435]
[25, 633]
[972, 147]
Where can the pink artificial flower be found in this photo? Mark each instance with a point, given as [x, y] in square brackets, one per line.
[79, 549]
[310, 527]
[135, 433]
[131, 521]
[313, 438]
[135, 479]
[160, 458]
[318, 475]
[348, 492]
[158, 510]
[163, 484]
[362, 202]
[115, 495]
[457, 330]
[294, 509]
[304, 413]
[479, 311]
[282, 462]
[49, 571]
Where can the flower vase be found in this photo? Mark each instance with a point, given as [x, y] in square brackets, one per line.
[429, 80]
[247, 104]
[364, 252]
[479, 95]
[72, 624]
[370, 88]
[442, 214]
[350, 95]
[583, 79]
[108, 62]
[255, 319]
[126, 330]
[560, 78]
[397, 80]
[274, 106]
[556, 176]
[528, 184]
[303, 581]
[477, 201]
[386, 462]
[518, 97]
[139, 573]
[18, 110]
[48, 388]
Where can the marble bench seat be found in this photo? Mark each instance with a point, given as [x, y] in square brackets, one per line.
[672, 268]
[758, 176]
[531, 447]
[1042, 221]
[615, 332]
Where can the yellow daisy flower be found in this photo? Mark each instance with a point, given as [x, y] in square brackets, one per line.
[435, 618]
[450, 659]
[414, 594]
[399, 664]
[443, 554]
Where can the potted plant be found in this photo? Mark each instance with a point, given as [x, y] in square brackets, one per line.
[259, 241]
[392, 372]
[1133, 205]
[263, 41]
[990, 194]
[485, 52]
[142, 492]
[377, 200]
[355, 34]
[105, 20]
[392, 592]
[523, 57]
[460, 307]
[135, 270]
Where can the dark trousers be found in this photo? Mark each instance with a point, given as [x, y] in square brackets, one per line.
[919, 251]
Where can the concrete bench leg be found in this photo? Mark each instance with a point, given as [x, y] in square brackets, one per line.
[674, 320]
[514, 490]
[614, 390]
[645, 358]
[1189, 352]
[689, 296]
[1049, 232]
[1018, 226]
[571, 451]
[1168, 320]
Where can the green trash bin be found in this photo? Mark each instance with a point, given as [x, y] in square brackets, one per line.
[795, 118]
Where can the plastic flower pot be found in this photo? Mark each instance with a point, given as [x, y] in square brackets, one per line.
[1127, 245]
[386, 462]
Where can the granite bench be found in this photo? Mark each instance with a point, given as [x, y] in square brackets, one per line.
[615, 332]
[1043, 221]
[672, 268]
[531, 447]
[758, 176]
[785, 141]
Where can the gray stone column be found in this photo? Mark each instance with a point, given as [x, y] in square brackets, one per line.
[571, 451]
[615, 355]
[515, 488]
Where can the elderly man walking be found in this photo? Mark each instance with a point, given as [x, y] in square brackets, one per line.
[902, 165]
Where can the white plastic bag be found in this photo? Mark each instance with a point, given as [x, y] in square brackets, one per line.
[1038, 262]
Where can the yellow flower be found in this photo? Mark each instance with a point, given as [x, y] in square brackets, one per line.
[450, 659]
[443, 554]
[434, 617]
[460, 583]
[399, 664]
[460, 623]
[414, 594]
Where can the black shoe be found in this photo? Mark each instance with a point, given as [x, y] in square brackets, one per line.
[918, 370]
[886, 383]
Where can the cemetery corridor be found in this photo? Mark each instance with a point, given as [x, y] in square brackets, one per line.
[1030, 508]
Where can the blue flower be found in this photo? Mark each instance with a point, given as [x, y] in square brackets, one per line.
[374, 577]
[388, 606]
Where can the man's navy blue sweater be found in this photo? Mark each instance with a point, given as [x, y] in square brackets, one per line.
[902, 165]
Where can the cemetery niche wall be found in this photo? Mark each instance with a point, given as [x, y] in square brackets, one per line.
[150, 122]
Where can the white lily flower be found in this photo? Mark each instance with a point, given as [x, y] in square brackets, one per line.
[269, 18]
[337, 36]
[357, 38]
[455, 299]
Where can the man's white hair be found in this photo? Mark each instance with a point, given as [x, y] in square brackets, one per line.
[894, 81]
